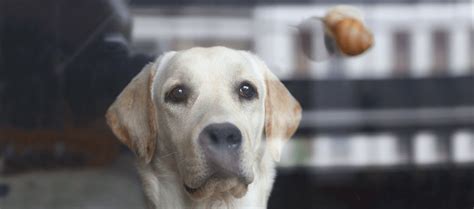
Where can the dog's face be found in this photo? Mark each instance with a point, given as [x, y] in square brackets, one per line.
[211, 105]
[216, 110]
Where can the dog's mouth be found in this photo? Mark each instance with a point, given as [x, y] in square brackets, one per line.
[191, 190]
[216, 187]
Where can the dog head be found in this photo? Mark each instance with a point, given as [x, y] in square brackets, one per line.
[214, 111]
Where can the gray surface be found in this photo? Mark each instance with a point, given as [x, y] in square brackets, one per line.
[111, 187]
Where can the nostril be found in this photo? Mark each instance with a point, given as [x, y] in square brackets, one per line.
[214, 138]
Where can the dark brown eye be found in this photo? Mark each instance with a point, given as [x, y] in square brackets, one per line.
[247, 91]
[178, 94]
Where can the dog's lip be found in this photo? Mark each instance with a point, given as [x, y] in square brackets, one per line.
[196, 190]
[191, 190]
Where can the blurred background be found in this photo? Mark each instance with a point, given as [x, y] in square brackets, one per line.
[392, 128]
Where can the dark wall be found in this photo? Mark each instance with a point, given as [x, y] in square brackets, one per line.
[67, 59]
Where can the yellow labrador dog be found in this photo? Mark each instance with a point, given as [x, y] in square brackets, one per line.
[207, 125]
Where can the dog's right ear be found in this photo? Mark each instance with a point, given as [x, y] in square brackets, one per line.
[133, 117]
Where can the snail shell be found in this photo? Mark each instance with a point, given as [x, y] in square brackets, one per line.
[352, 37]
[346, 27]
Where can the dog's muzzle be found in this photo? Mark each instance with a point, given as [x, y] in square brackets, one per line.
[221, 146]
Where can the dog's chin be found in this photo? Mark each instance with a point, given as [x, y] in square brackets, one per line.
[215, 188]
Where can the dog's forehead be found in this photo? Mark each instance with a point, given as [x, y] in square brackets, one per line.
[218, 62]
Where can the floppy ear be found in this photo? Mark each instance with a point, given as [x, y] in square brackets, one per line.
[282, 111]
[132, 117]
[282, 114]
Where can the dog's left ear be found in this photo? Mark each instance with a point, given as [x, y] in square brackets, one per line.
[282, 114]
[132, 117]
[282, 111]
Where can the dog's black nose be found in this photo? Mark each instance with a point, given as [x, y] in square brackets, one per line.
[221, 144]
[222, 136]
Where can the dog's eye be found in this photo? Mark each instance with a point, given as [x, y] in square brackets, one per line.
[178, 94]
[247, 91]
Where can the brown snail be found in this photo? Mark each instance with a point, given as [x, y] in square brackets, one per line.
[340, 31]
[344, 24]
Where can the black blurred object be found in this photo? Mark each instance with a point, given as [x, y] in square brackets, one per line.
[4, 190]
[411, 188]
[59, 57]
[384, 94]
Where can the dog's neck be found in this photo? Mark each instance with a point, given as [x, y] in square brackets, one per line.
[164, 190]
